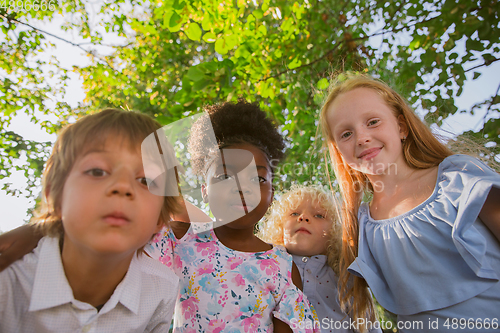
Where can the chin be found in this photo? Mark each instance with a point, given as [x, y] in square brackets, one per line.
[299, 251]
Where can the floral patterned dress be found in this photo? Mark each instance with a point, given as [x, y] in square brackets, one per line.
[223, 290]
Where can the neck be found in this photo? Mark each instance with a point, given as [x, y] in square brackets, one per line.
[242, 240]
[93, 277]
[391, 181]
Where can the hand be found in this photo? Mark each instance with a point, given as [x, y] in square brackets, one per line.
[16, 243]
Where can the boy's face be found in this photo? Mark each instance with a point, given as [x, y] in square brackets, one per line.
[106, 206]
[239, 186]
[306, 229]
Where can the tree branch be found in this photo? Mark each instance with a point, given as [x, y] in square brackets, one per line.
[486, 63]
[10, 20]
[303, 66]
[483, 120]
[491, 103]
[411, 24]
[347, 40]
[107, 45]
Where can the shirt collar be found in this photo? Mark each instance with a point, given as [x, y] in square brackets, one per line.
[51, 288]
[316, 260]
[128, 292]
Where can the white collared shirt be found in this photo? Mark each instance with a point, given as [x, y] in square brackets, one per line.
[35, 296]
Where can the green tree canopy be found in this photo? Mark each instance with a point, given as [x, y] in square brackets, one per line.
[178, 55]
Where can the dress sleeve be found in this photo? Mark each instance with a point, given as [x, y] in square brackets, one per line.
[469, 183]
[440, 253]
[161, 247]
[294, 309]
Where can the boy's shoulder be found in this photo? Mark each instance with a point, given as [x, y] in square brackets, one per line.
[26, 267]
[18, 281]
[154, 269]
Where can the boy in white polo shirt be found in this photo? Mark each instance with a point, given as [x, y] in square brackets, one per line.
[88, 273]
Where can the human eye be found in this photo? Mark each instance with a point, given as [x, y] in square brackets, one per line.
[373, 122]
[345, 135]
[259, 179]
[96, 172]
[294, 214]
[223, 176]
[147, 182]
[319, 216]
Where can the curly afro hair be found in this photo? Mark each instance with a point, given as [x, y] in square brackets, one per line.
[234, 123]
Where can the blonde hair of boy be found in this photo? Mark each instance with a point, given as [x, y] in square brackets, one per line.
[272, 230]
[75, 140]
[421, 150]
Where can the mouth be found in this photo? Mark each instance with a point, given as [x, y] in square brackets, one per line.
[242, 207]
[369, 154]
[302, 230]
[116, 219]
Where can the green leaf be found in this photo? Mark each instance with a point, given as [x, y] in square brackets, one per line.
[209, 37]
[175, 22]
[476, 75]
[199, 85]
[193, 31]
[295, 63]
[178, 5]
[262, 29]
[194, 74]
[323, 84]
[221, 46]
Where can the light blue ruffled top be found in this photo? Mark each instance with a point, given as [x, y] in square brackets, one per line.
[437, 254]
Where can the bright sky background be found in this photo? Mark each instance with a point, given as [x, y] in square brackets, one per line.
[14, 209]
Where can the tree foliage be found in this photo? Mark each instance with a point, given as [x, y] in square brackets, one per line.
[171, 57]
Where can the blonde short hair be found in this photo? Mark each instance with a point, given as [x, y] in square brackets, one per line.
[74, 141]
[272, 229]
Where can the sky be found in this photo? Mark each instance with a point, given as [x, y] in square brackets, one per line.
[14, 208]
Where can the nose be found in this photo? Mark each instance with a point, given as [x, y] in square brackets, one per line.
[242, 187]
[122, 185]
[303, 217]
[362, 137]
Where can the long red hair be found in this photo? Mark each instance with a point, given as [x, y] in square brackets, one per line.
[421, 150]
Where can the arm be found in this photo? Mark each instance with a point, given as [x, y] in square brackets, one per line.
[16, 243]
[187, 214]
[281, 327]
[296, 279]
[490, 213]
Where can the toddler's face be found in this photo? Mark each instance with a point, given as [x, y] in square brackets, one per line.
[306, 229]
[106, 206]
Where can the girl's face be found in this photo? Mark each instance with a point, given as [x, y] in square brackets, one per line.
[306, 229]
[239, 186]
[366, 132]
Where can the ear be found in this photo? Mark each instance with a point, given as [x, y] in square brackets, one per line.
[403, 127]
[204, 193]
